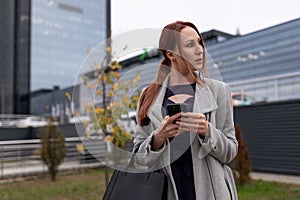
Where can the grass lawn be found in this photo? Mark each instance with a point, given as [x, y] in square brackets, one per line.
[262, 190]
[90, 186]
[87, 185]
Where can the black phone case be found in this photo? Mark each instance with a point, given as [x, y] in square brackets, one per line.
[175, 108]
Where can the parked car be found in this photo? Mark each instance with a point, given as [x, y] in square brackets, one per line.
[80, 119]
[33, 121]
[239, 99]
[8, 123]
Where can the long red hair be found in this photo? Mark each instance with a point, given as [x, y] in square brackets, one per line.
[168, 40]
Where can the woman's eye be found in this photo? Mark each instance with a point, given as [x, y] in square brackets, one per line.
[190, 44]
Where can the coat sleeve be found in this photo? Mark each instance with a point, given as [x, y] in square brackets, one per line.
[142, 145]
[221, 142]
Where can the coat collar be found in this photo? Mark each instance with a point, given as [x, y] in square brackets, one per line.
[204, 102]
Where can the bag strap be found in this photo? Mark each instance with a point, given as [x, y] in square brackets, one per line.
[131, 162]
[207, 116]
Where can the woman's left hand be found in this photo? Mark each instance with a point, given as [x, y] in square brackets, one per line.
[194, 122]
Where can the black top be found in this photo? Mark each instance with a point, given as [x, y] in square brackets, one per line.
[181, 156]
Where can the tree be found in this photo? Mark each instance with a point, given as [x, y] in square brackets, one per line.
[241, 164]
[115, 101]
[53, 148]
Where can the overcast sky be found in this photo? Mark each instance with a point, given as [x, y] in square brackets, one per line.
[223, 15]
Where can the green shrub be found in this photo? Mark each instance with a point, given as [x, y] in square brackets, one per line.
[53, 148]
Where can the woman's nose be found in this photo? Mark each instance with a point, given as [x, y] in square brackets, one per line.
[199, 50]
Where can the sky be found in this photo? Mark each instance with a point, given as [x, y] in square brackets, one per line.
[224, 15]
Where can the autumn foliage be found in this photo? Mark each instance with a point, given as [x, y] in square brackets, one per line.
[115, 100]
[241, 164]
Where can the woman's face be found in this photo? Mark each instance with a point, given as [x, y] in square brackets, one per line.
[190, 49]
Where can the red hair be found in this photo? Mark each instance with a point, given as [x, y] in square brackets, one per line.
[168, 40]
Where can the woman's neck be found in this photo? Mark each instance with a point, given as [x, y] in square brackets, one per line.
[177, 78]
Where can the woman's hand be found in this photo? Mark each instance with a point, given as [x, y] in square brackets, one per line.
[165, 130]
[194, 122]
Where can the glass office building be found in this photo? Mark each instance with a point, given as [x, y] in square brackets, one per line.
[62, 34]
[264, 64]
[14, 56]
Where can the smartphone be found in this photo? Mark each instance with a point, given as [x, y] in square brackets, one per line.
[175, 108]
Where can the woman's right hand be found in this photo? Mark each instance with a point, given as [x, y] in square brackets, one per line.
[166, 129]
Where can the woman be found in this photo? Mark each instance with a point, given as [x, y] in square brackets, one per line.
[192, 147]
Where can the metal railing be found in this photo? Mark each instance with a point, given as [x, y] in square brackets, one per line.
[22, 157]
[272, 88]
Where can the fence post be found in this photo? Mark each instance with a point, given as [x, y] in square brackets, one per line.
[19, 157]
[2, 160]
[242, 93]
[276, 89]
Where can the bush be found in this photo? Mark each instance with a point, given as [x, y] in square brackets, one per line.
[53, 148]
[241, 164]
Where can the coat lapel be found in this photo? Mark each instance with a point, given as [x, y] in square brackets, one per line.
[204, 102]
[155, 111]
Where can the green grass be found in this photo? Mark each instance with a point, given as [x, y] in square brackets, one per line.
[262, 190]
[90, 185]
[80, 186]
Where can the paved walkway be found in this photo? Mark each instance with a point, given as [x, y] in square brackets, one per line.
[37, 168]
[22, 170]
[276, 177]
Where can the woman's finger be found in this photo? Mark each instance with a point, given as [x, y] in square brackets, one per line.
[173, 117]
[197, 128]
[193, 115]
[193, 120]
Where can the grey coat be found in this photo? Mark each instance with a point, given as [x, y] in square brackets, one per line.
[212, 177]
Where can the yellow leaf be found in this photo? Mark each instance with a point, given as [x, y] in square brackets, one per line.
[108, 138]
[110, 94]
[117, 75]
[109, 121]
[80, 147]
[99, 110]
[68, 95]
[137, 78]
[98, 92]
[91, 86]
[109, 49]
[104, 78]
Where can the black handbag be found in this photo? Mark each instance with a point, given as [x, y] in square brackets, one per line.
[130, 184]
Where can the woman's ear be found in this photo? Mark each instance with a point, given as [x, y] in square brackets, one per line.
[170, 55]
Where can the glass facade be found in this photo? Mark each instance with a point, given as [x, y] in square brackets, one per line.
[7, 10]
[14, 56]
[62, 34]
[264, 64]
